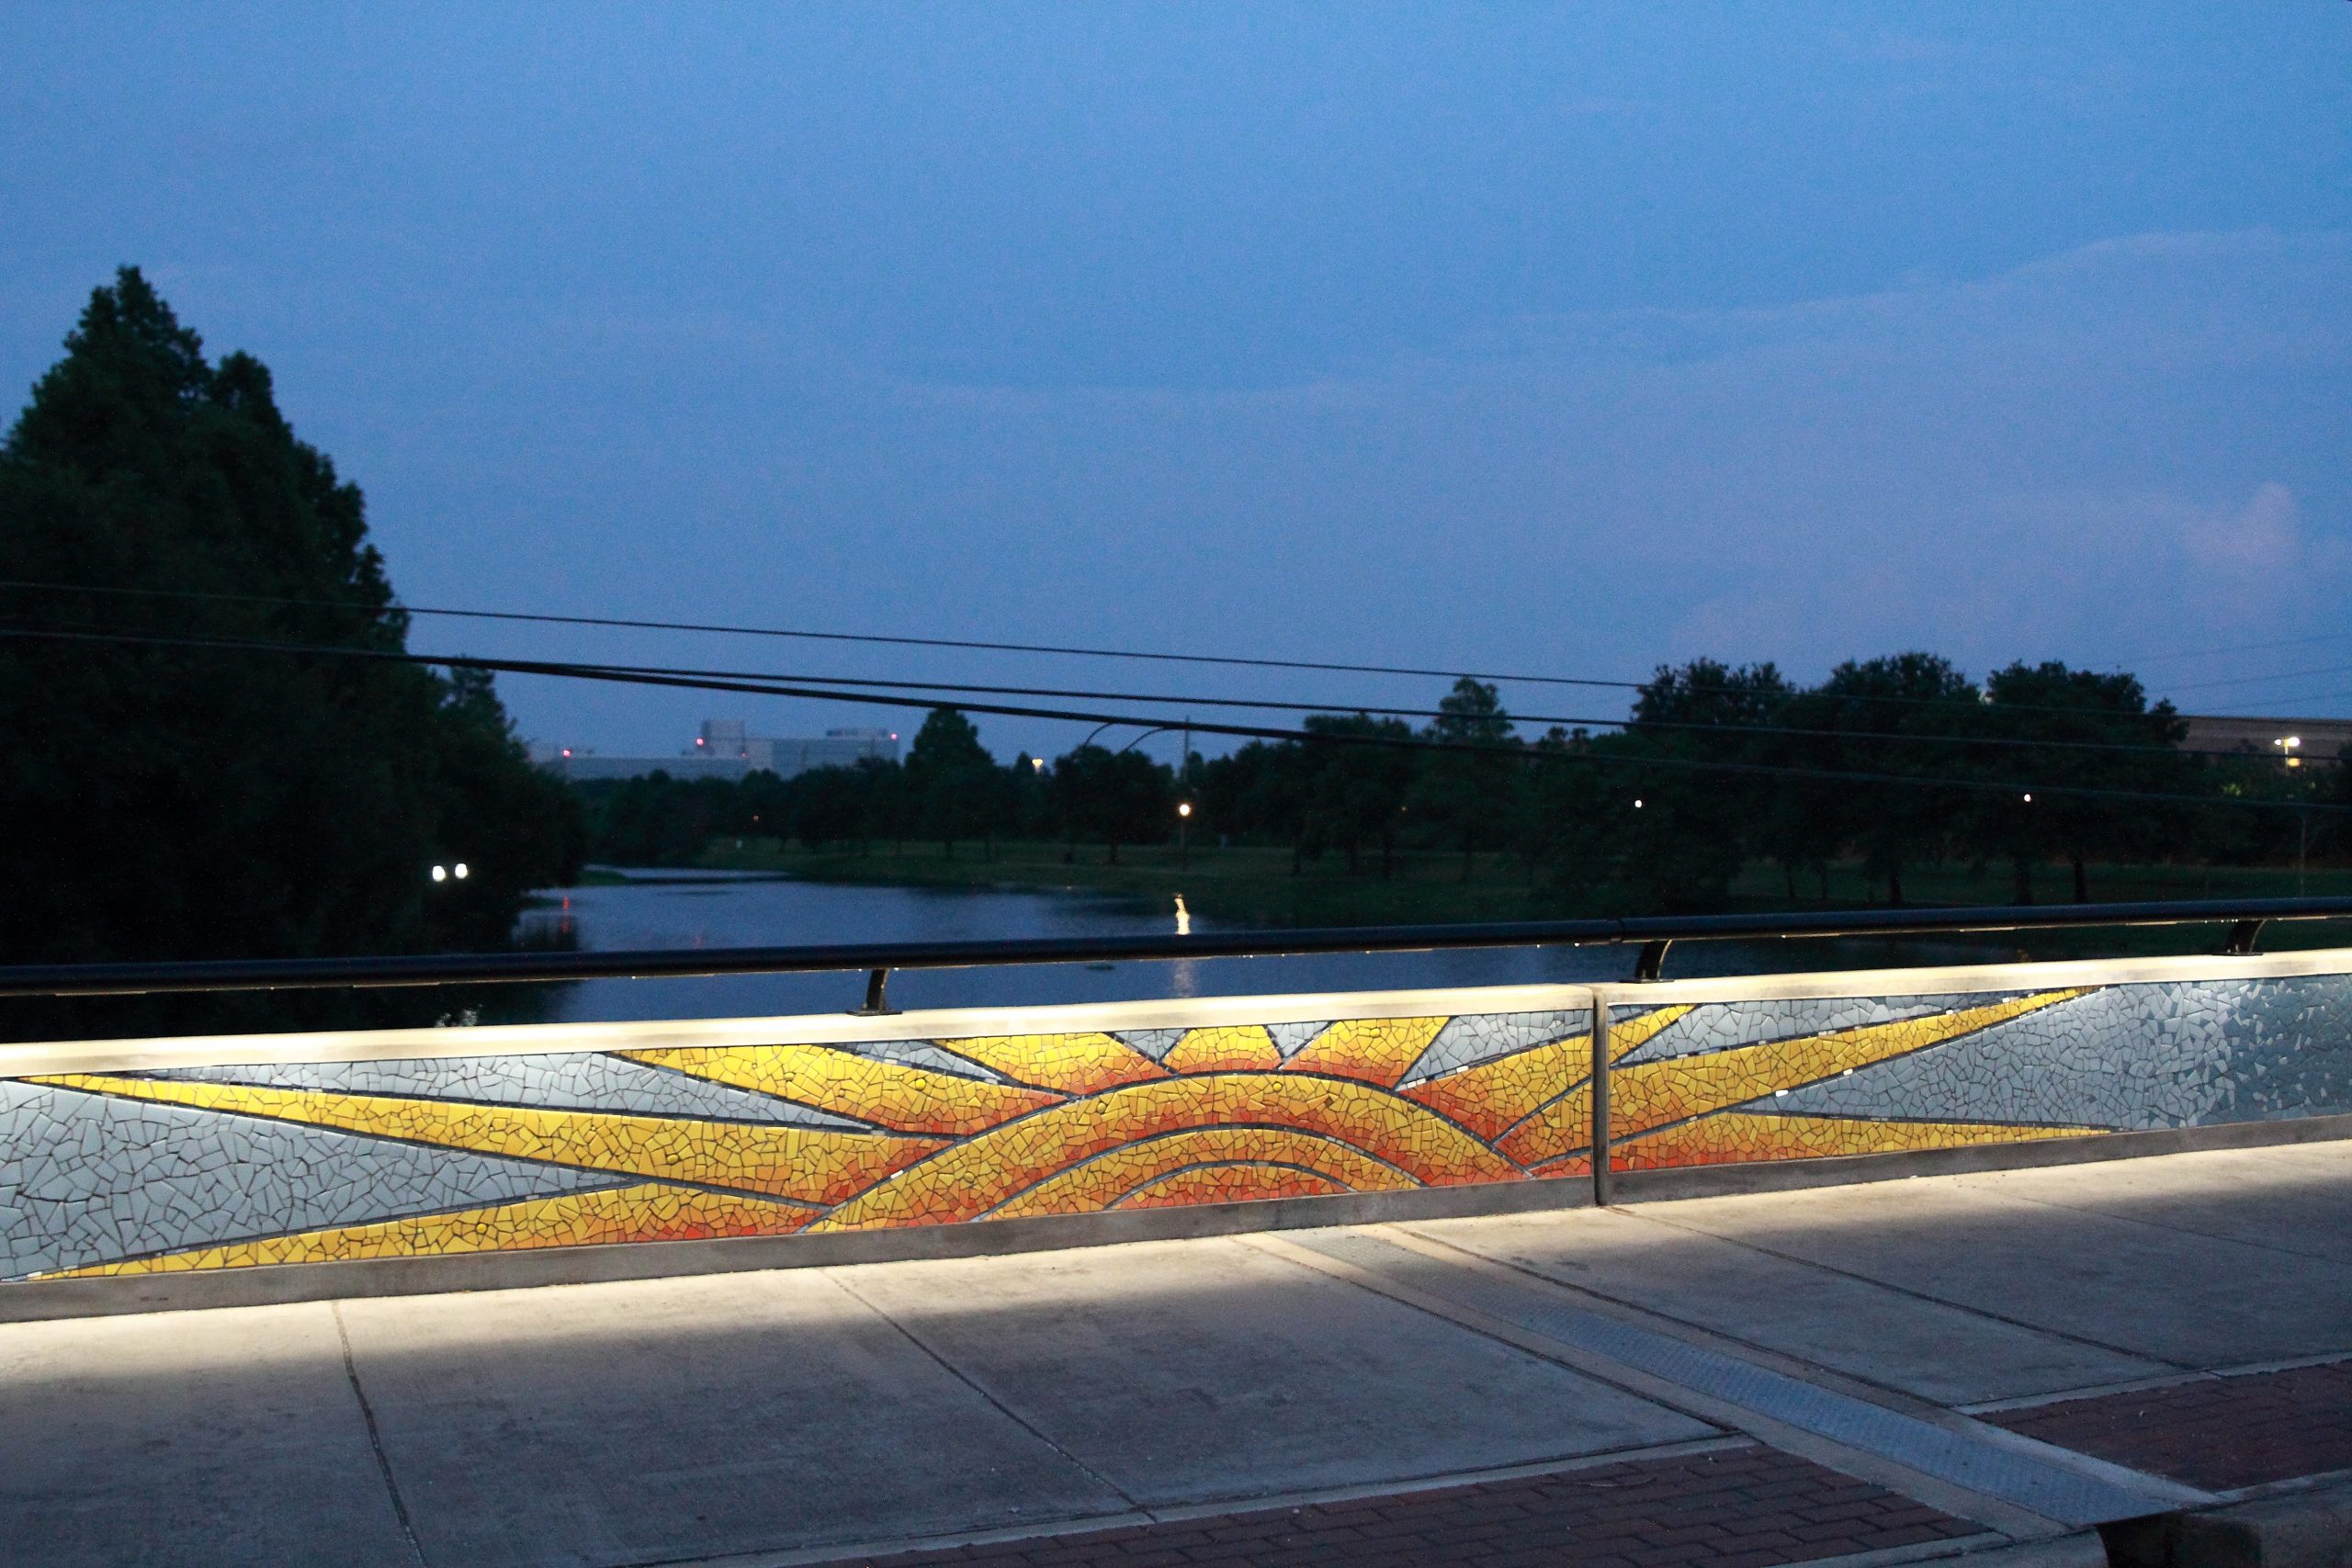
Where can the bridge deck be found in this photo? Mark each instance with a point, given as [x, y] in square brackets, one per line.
[1908, 1367]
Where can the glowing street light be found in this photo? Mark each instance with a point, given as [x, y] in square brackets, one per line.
[459, 870]
[2291, 744]
[440, 874]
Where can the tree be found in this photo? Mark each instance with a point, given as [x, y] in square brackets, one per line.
[1884, 716]
[1699, 820]
[1118, 798]
[182, 802]
[1357, 793]
[2074, 710]
[1468, 796]
[1257, 792]
[952, 782]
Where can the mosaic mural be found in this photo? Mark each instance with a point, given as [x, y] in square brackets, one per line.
[222, 1166]
[1770, 1080]
[226, 1167]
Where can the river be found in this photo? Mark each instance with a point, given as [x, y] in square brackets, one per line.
[687, 909]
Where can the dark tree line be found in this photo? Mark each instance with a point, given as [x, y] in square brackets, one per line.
[169, 802]
[1896, 763]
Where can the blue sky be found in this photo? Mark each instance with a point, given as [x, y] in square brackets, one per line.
[1561, 339]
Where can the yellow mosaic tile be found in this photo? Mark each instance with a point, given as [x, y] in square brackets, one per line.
[1651, 1094]
[1230, 1184]
[1100, 1182]
[654, 1211]
[1737, 1136]
[1075, 1064]
[1246, 1049]
[1377, 1049]
[813, 1165]
[1564, 1126]
[973, 1177]
[887, 1094]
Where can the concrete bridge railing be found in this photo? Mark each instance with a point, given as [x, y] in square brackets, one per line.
[201, 1170]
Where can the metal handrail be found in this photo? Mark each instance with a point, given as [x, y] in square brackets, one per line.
[2245, 917]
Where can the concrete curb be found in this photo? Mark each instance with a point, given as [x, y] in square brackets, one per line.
[2310, 1528]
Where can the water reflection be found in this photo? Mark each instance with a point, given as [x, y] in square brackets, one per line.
[687, 910]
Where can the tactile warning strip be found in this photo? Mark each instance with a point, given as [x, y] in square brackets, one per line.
[1989, 1469]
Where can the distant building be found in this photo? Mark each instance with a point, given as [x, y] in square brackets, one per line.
[725, 749]
[2290, 740]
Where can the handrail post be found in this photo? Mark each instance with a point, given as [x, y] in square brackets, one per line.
[1599, 1099]
[2245, 936]
[877, 985]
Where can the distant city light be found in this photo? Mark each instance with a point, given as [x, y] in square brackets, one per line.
[567, 750]
[440, 874]
[1038, 763]
[2029, 797]
[1637, 803]
[460, 869]
[1183, 809]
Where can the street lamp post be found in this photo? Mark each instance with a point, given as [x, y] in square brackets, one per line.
[2289, 745]
[1183, 835]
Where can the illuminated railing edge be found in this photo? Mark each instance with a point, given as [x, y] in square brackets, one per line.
[161, 1054]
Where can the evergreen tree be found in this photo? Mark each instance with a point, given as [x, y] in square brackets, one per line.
[178, 803]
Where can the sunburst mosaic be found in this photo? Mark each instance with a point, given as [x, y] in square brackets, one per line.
[225, 1166]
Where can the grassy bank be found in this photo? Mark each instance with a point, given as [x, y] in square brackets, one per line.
[1257, 886]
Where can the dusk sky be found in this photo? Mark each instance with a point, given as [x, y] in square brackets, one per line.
[1567, 340]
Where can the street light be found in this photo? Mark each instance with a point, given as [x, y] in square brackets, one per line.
[2291, 744]
[440, 874]
[1183, 835]
[460, 869]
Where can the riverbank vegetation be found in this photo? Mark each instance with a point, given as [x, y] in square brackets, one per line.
[1896, 781]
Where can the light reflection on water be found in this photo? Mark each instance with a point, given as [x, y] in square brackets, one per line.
[683, 910]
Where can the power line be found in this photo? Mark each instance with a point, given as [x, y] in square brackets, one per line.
[1261, 732]
[875, 638]
[955, 692]
[866, 637]
[2171, 656]
[1630, 725]
[2257, 680]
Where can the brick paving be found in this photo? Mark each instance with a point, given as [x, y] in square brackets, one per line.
[2216, 1433]
[1738, 1507]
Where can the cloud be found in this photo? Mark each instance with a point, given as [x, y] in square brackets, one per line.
[2262, 537]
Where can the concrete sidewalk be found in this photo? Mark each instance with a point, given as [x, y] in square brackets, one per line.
[1897, 1370]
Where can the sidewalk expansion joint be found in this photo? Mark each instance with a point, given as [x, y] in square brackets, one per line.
[2021, 1493]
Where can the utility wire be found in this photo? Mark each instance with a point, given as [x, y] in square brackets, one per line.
[1261, 732]
[1441, 713]
[2257, 680]
[2171, 656]
[955, 690]
[1067, 693]
[1233, 660]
